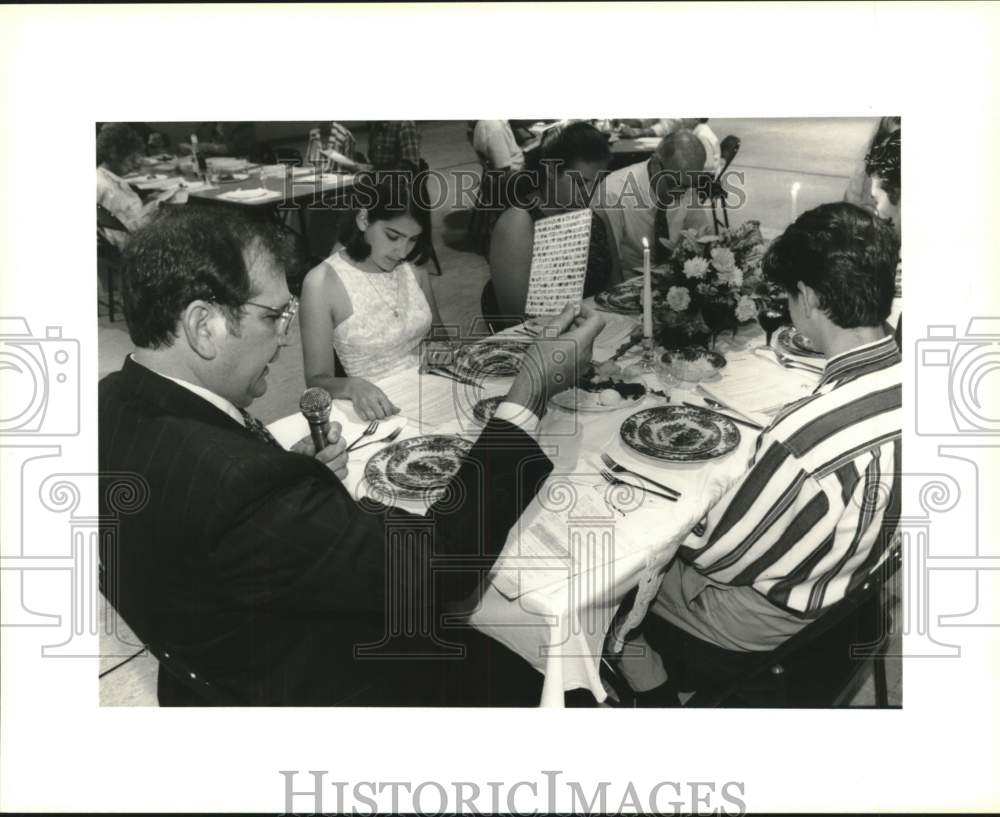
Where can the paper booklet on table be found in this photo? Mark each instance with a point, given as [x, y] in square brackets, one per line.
[558, 262]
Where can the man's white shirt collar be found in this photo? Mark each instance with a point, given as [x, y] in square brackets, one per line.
[219, 402]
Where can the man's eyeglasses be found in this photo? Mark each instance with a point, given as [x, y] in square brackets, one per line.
[285, 314]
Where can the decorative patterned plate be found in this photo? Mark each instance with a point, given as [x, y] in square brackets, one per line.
[410, 469]
[625, 299]
[791, 340]
[693, 364]
[484, 410]
[493, 358]
[680, 434]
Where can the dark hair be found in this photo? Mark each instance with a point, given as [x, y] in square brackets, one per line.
[189, 254]
[576, 142]
[386, 195]
[883, 161]
[846, 254]
[116, 141]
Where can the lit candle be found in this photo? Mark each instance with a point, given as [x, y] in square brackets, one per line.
[795, 200]
[647, 292]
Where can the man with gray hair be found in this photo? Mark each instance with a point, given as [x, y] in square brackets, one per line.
[664, 184]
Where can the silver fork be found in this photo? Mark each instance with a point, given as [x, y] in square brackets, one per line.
[618, 468]
[370, 429]
[388, 438]
[612, 479]
[792, 363]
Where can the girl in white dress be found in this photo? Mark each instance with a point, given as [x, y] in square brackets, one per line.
[370, 304]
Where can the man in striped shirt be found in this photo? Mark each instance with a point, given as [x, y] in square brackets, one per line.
[801, 528]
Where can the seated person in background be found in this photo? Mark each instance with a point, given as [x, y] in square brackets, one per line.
[394, 145]
[341, 149]
[637, 128]
[882, 166]
[709, 141]
[495, 145]
[249, 570]
[635, 210]
[859, 188]
[803, 526]
[119, 152]
[567, 178]
[370, 304]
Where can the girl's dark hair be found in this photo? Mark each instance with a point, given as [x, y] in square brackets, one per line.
[577, 142]
[846, 254]
[385, 196]
[116, 141]
[883, 161]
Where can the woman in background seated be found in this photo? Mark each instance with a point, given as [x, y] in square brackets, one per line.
[570, 171]
[370, 304]
[882, 165]
[119, 152]
[859, 188]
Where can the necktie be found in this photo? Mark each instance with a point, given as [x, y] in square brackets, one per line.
[660, 230]
[257, 428]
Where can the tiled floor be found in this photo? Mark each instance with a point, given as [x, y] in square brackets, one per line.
[775, 153]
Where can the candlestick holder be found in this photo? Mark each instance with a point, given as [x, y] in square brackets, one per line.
[647, 363]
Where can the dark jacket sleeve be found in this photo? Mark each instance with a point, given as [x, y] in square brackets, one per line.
[299, 541]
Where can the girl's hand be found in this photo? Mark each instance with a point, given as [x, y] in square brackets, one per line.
[370, 402]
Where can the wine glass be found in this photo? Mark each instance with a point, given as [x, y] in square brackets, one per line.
[772, 315]
[718, 315]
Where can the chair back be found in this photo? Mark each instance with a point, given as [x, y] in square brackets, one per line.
[814, 665]
[287, 156]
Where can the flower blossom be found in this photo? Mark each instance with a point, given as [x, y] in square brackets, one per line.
[746, 309]
[733, 277]
[678, 298]
[695, 268]
[723, 259]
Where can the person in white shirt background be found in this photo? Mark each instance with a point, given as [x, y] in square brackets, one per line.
[119, 152]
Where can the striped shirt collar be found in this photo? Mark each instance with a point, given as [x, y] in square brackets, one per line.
[879, 354]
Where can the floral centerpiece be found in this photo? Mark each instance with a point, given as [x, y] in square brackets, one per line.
[709, 284]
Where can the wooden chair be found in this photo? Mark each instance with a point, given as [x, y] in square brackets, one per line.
[728, 149]
[108, 257]
[490, 308]
[820, 666]
[422, 176]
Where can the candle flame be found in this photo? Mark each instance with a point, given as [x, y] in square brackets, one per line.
[645, 243]
[796, 187]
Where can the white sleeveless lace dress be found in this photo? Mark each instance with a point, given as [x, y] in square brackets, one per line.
[390, 317]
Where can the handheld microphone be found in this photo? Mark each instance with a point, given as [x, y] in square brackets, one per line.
[315, 405]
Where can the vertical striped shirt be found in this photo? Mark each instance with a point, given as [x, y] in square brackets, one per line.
[341, 140]
[802, 525]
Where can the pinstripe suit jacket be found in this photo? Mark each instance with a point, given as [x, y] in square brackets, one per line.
[256, 568]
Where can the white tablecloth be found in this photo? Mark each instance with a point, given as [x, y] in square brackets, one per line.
[581, 545]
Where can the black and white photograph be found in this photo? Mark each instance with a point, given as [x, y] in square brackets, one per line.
[710, 412]
[360, 455]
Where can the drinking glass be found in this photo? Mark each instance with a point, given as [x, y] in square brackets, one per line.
[718, 315]
[772, 315]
